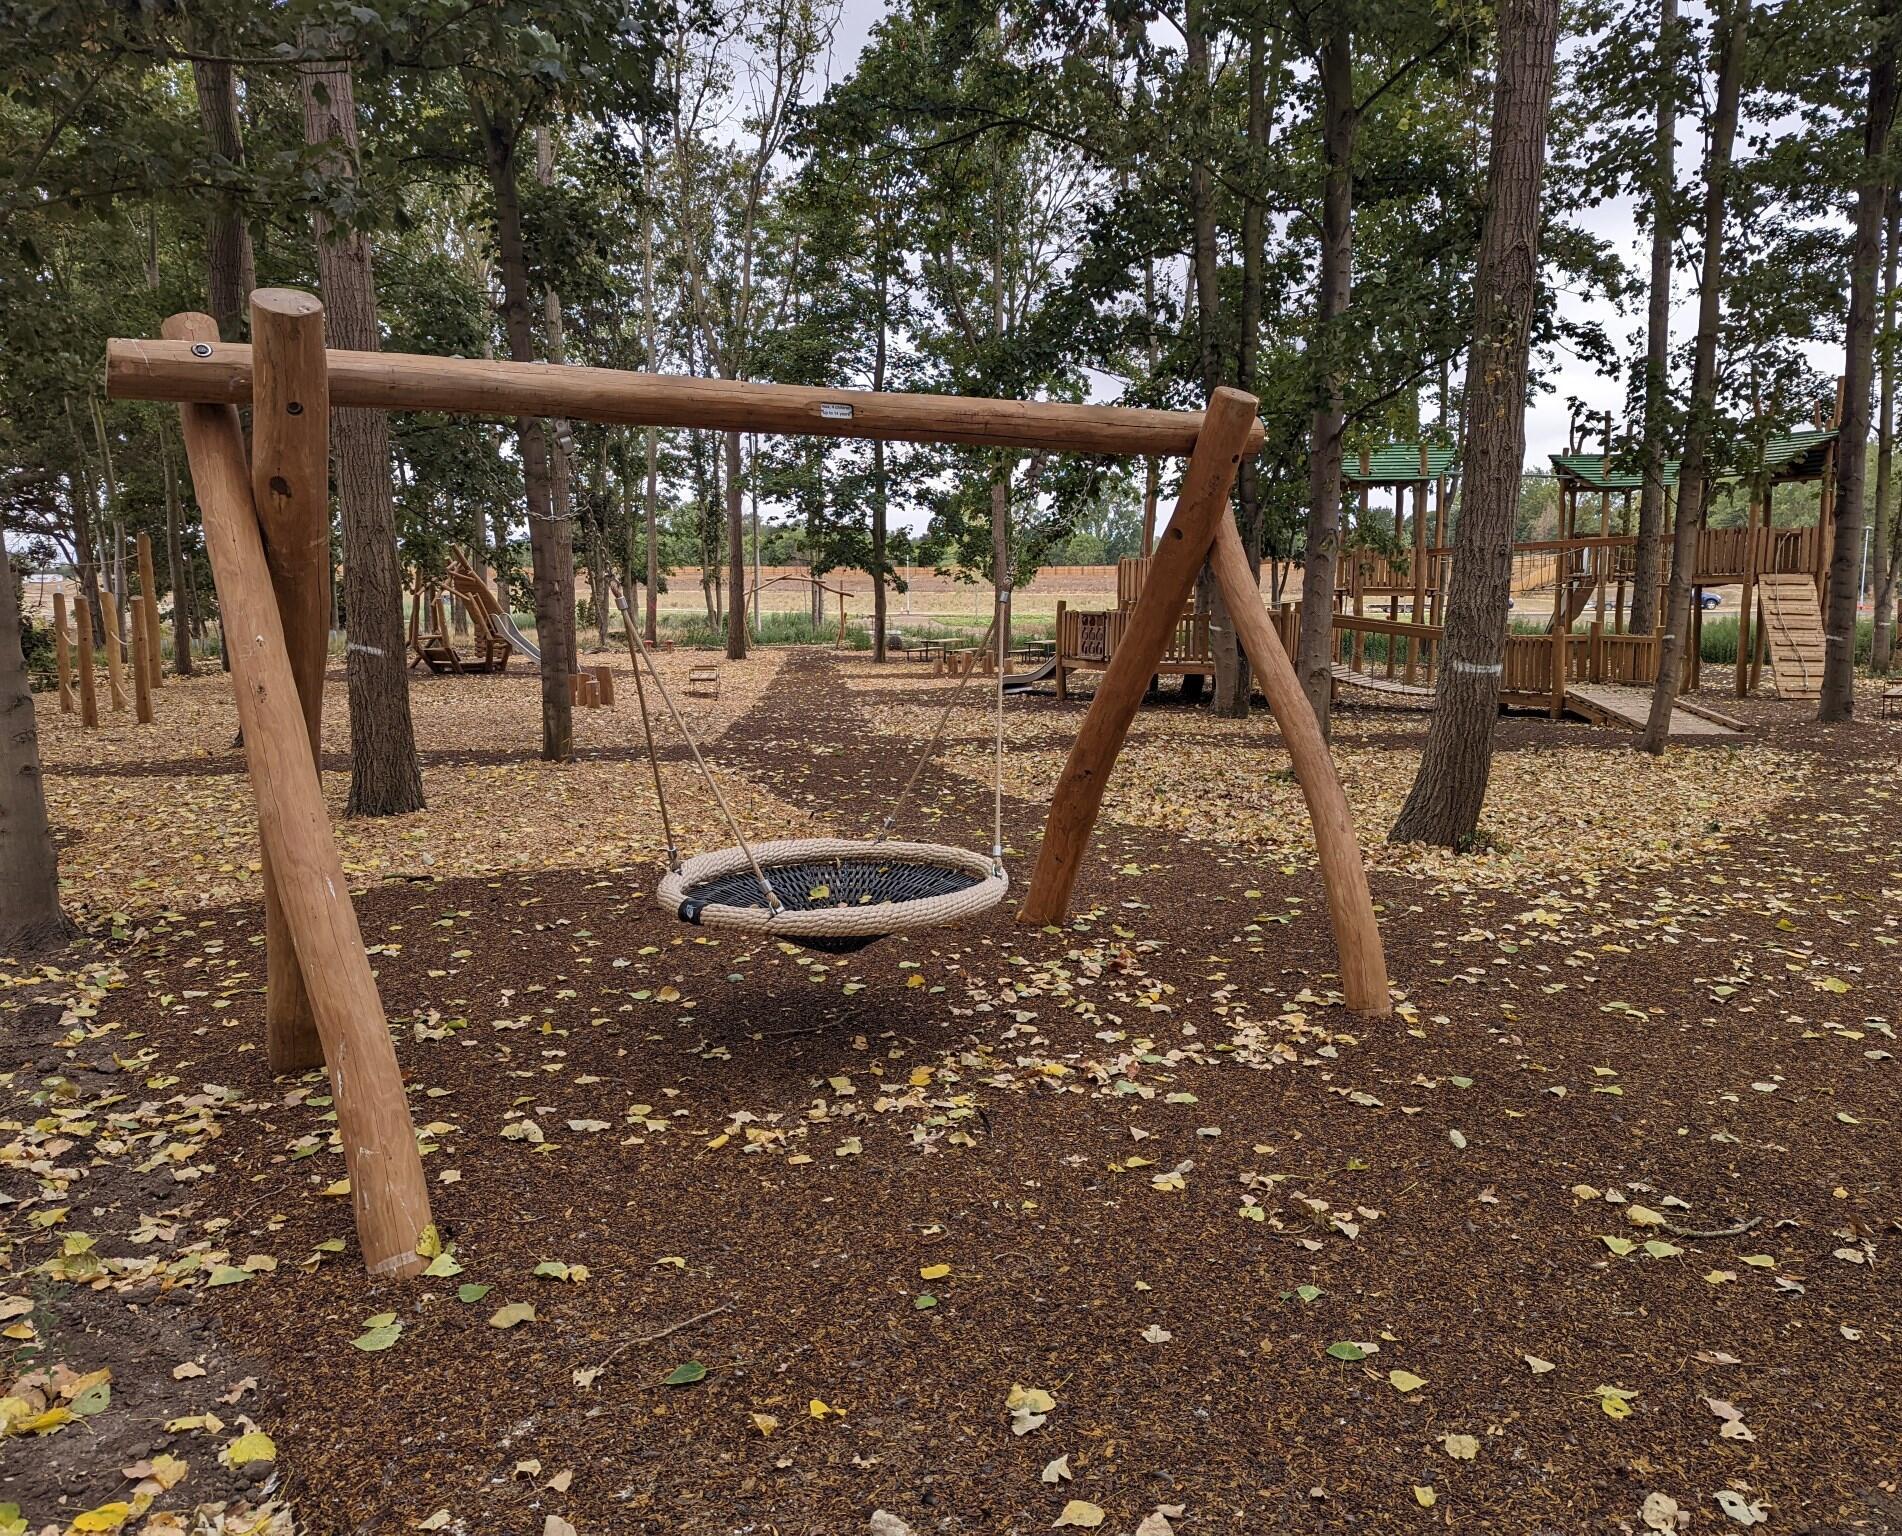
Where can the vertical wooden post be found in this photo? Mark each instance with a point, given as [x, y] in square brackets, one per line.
[141, 664]
[1745, 604]
[63, 654]
[1149, 624]
[1561, 649]
[88, 691]
[1350, 906]
[379, 1141]
[290, 488]
[148, 588]
[115, 649]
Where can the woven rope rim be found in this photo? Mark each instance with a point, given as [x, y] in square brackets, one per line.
[838, 922]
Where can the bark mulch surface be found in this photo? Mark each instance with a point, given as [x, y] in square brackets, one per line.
[991, 1229]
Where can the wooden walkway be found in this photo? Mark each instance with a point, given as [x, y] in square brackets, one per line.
[1347, 677]
[1609, 704]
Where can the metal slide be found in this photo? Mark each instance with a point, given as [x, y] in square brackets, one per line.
[505, 627]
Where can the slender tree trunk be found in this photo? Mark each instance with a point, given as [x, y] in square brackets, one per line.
[385, 779]
[1852, 444]
[549, 539]
[1450, 788]
[30, 917]
[736, 552]
[175, 558]
[879, 484]
[1882, 547]
[1727, 44]
[230, 267]
[1657, 355]
[1315, 656]
[650, 339]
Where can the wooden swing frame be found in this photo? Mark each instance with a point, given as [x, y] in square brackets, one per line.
[267, 531]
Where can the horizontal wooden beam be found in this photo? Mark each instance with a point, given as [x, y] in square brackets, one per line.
[220, 374]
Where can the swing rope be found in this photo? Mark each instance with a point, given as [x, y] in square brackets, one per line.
[739, 838]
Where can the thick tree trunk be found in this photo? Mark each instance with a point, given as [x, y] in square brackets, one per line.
[1314, 658]
[1230, 693]
[230, 268]
[550, 540]
[385, 779]
[1852, 444]
[1882, 547]
[30, 918]
[1727, 44]
[1657, 354]
[1450, 788]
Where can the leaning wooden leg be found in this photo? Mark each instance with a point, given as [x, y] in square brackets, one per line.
[290, 486]
[379, 1141]
[1152, 621]
[1350, 906]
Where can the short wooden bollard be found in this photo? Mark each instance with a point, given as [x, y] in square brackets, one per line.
[88, 689]
[604, 681]
[115, 651]
[63, 655]
[141, 664]
[148, 587]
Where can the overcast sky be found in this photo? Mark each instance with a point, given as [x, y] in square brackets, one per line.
[1548, 419]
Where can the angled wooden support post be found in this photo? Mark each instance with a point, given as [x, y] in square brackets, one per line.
[63, 654]
[1350, 906]
[290, 486]
[1226, 427]
[379, 1142]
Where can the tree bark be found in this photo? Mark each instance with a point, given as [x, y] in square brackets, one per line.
[550, 541]
[561, 466]
[1882, 547]
[230, 268]
[385, 778]
[1727, 43]
[1657, 355]
[880, 486]
[30, 917]
[1314, 658]
[1450, 789]
[1838, 700]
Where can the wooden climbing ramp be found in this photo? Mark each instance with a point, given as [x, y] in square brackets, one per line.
[1612, 704]
[1792, 625]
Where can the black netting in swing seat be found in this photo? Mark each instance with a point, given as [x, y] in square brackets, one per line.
[817, 884]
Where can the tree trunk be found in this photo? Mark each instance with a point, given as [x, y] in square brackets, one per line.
[736, 552]
[880, 488]
[1852, 444]
[1000, 549]
[1450, 789]
[649, 327]
[30, 918]
[1315, 657]
[385, 779]
[1882, 549]
[230, 268]
[549, 539]
[175, 558]
[1657, 356]
[1727, 43]
[561, 466]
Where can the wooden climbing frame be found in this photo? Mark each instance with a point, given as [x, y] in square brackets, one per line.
[267, 532]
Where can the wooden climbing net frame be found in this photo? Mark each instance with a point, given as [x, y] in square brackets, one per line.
[267, 531]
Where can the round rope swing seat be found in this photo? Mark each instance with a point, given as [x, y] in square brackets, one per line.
[836, 895]
[827, 893]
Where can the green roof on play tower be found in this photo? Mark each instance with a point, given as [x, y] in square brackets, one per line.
[1790, 456]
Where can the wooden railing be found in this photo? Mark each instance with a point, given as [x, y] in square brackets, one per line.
[1093, 637]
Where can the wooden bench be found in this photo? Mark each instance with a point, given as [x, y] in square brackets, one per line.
[703, 682]
[1891, 702]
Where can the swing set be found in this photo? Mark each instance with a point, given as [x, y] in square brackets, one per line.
[266, 524]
